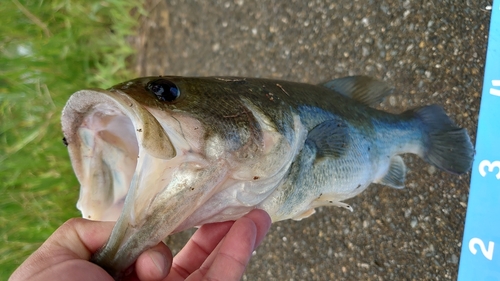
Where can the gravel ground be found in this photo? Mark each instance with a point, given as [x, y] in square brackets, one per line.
[431, 51]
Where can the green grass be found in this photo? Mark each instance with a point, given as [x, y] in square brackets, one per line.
[48, 50]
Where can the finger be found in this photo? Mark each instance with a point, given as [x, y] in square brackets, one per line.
[76, 239]
[229, 261]
[230, 258]
[154, 264]
[198, 248]
[262, 222]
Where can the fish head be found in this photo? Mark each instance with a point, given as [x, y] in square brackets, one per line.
[110, 132]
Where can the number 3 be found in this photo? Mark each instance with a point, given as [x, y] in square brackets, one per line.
[488, 253]
[491, 166]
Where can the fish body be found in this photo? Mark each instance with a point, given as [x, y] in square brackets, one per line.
[163, 154]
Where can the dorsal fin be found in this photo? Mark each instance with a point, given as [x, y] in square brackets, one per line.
[330, 138]
[364, 89]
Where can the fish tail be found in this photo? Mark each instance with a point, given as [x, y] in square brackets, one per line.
[446, 145]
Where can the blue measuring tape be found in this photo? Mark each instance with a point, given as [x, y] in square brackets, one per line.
[480, 258]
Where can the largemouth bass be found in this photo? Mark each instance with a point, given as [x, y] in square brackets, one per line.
[164, 154]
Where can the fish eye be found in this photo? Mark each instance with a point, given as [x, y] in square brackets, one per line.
[163, 89]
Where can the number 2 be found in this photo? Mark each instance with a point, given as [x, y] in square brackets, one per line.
[488, 253]
[491, 166]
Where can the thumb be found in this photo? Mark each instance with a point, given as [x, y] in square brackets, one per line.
[154, 264]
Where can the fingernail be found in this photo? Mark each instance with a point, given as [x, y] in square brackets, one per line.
[159, 260]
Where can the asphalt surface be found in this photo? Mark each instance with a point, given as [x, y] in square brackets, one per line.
[431, 51]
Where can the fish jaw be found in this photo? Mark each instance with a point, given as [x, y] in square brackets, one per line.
[140, 228]
[105, 132]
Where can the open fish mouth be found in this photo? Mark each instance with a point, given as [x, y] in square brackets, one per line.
[107, 133]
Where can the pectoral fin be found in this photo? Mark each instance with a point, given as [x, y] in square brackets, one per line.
[364, 89]
[395, 176]
[330, 138]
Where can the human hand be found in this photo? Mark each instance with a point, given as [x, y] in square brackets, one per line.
[218, 251]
